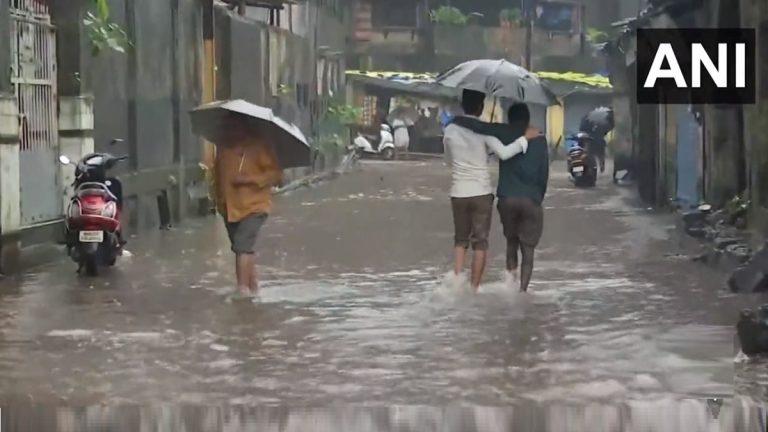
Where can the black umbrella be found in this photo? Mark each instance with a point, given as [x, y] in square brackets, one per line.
[499, 78]
[599, 120]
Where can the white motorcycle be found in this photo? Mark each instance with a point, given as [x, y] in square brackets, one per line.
[383, 145]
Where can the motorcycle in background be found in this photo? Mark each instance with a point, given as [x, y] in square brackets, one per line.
[92, 219]
[582, 164]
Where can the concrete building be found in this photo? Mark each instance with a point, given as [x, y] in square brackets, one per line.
[693, 154]
[57, 97]
[400, 35]
[601, 14]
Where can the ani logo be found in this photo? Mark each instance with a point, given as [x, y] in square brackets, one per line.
[696, 66]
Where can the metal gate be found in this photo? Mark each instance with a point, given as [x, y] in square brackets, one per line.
[33, 75]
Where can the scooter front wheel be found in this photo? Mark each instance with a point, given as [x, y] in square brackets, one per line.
[388, 153]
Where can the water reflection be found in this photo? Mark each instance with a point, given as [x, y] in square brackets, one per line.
[666, 415]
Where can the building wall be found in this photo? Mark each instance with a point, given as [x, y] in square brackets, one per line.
[376, 46]
[754, 13]
[455, 44]
[601, 14]
[422, 46]
[5, 49]
[556, 125]
[297, 76]
[143, 97]
[732, 155]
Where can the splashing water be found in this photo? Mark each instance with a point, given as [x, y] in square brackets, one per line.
[454, 287]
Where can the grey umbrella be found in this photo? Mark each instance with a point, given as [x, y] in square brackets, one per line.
[290, 144]
[499, 78]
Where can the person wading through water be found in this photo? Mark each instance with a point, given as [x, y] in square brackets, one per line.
[467, 153]
[521, 189]
[246, 170]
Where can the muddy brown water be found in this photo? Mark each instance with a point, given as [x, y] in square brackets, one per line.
[356, 329]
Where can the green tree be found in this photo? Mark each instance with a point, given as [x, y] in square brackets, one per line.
[448, 15]
[595, 36]
[102, 32]
[335, 125]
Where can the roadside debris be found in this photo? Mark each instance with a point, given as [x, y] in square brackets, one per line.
[753, 275]
[723, 230]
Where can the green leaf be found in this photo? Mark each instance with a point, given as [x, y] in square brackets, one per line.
[103, 8]
[103, 33]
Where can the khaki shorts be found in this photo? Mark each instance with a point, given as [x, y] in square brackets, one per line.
[523, 220]
[472, 221]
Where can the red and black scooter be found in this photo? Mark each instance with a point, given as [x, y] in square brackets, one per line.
[92, 220]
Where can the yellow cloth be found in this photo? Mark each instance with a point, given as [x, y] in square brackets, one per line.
[245, 173]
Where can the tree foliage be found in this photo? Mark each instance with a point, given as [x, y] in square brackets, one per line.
[102, 32]
[336, 121]
[448, 15]
[595, 36]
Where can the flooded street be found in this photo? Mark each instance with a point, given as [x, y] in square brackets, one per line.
[621, 331]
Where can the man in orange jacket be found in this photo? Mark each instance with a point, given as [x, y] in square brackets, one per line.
[246, 169]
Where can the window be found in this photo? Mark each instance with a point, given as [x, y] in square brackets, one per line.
[556, 17]
[394, 13]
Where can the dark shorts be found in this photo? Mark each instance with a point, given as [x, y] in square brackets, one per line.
[522, 219]
[243, 234]
[472, 221]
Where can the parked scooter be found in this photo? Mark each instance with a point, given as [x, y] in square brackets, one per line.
[383, 145]
[582, 164]
[92, 220]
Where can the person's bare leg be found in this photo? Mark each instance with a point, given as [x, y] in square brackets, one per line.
[513, 246]
[526, 270]
[459, 255]
[244, 264]
[254, 285]
[479, 261]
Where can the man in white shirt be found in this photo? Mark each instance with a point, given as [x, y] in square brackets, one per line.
[472, 196]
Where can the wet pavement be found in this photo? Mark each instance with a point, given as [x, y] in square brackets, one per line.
[356, 330]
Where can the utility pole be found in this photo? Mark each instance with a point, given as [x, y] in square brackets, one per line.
[529, 13]
[209, 71]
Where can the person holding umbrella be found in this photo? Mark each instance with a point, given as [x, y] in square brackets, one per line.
[598, 123]
[522, 179]
[521, 189]
[253, 147]
[246, 170]
[471, 191]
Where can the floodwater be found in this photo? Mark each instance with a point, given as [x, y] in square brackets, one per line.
[357, 328]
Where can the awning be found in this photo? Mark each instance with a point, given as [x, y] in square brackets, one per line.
[403, 83]
[421, 84]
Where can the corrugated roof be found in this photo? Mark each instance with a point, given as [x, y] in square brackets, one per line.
[409, 77]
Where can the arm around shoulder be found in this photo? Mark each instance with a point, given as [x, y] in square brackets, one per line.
[520, 145]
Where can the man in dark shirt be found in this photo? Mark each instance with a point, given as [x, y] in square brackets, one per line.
[522, 187]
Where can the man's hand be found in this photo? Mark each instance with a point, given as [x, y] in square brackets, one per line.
[532, 133]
